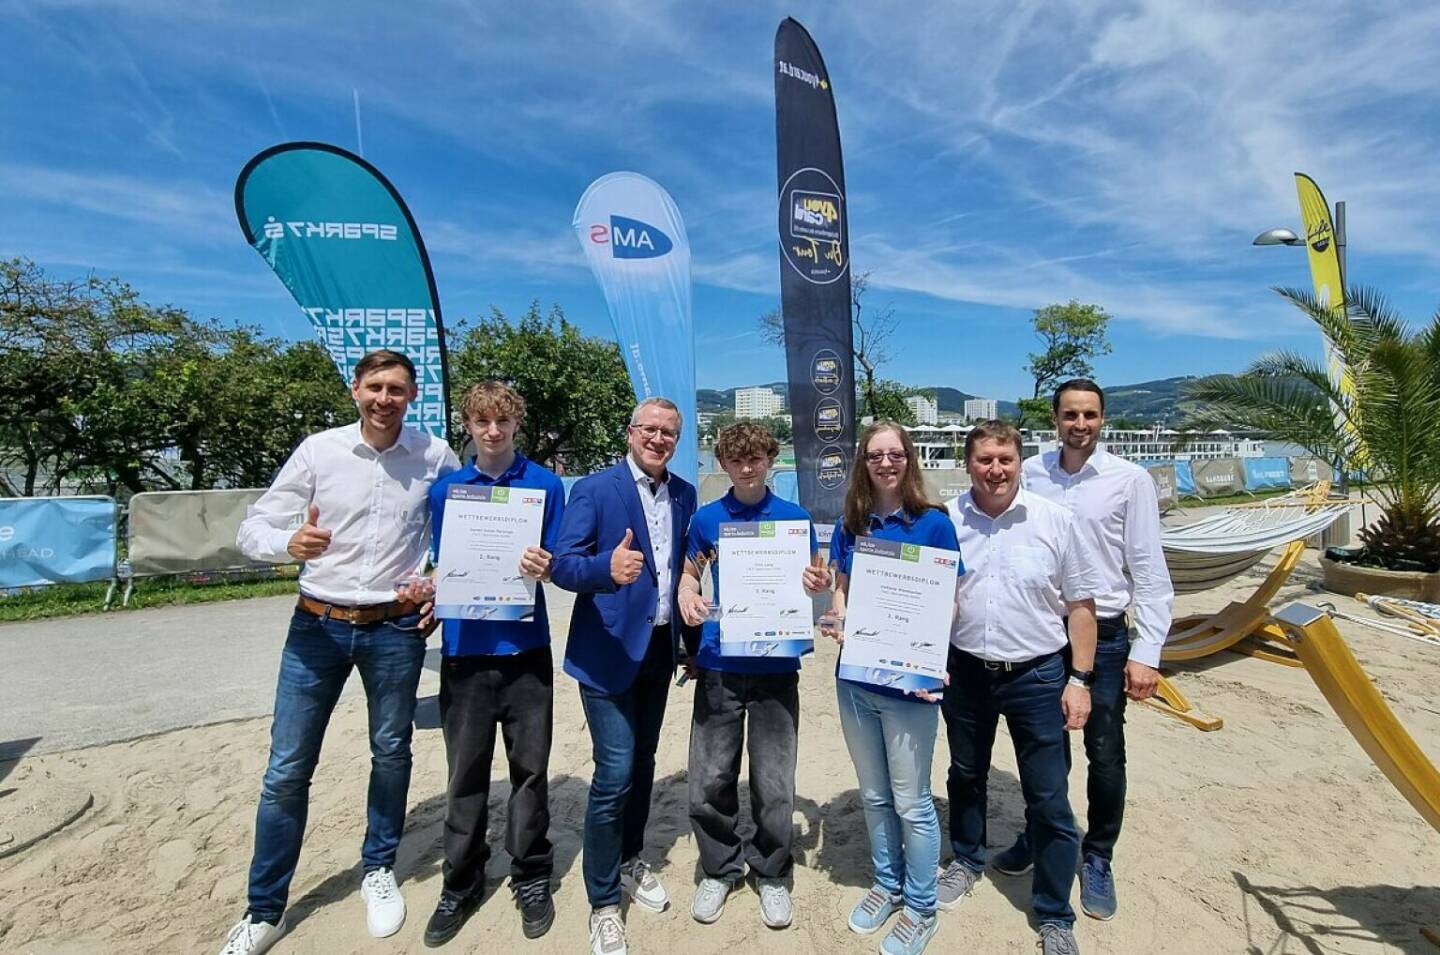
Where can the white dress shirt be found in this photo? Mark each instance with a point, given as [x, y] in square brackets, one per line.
[1115, 502]
[1020, 569]
[658, 521]
[374, 503]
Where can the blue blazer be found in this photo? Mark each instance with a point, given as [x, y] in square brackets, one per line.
[611, 625]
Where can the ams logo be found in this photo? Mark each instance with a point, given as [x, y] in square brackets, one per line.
[631, 238]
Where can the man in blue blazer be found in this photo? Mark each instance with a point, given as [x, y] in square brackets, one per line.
[621, 550]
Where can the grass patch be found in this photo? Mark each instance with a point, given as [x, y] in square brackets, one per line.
[64, 600]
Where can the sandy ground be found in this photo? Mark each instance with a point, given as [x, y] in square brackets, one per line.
[1273, 835]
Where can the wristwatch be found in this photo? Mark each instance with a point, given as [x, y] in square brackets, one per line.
[1084, 679]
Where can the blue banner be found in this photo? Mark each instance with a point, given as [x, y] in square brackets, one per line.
[1184, 479]
[343, 242]
[786, 486]
[1264, 474]
[49, 540]
[635, 242]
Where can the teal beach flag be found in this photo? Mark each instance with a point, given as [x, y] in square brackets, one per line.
[343, 242]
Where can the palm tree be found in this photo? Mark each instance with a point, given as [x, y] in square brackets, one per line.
[1384, 421]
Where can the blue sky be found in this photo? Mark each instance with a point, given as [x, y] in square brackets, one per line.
[999, 156]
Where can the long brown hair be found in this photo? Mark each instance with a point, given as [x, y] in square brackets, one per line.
[860, 496]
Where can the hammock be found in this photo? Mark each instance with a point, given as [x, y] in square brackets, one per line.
[1211, 551]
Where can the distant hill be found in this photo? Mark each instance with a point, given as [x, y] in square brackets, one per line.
[953, 400]
[1149, 401]
[709, 400]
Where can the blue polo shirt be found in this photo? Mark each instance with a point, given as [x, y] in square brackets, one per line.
[500, 637]
[933, 528]
[703, 542]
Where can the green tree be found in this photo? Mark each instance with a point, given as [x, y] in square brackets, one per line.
[1072, 335]
[265, 399]
[1385, 424]
[886, 399]
[114, 394]
[577, 393]
[781, 427]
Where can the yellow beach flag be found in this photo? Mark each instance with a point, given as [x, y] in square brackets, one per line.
[1325, 272]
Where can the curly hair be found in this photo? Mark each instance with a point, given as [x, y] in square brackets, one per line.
[744, 438]
[492, 399]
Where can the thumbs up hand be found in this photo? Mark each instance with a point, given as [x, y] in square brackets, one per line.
[311, 540]
[817, 576]
[625, 562]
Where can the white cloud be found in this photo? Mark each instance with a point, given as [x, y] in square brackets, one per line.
[1007, 154]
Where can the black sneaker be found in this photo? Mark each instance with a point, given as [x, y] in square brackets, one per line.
[450, 915]
[537, 909]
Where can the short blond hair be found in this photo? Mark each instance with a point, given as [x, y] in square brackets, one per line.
[492, 399]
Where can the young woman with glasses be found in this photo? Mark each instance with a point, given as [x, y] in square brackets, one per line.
[891, 734]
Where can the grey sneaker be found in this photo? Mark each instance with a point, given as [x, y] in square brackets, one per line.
[956, 882]
[1057, 939]
[607, 931]
[709, 900]
[637, 879]
[776, 909]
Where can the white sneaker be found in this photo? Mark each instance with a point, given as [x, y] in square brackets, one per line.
[607, 931]
[384, 905]
[637, 879]
[252, 938]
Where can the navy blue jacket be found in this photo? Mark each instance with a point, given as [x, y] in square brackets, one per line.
[611, 625]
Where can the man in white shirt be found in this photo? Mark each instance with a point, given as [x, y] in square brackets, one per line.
[1022, 647]
[1115, 504]
[363, 489]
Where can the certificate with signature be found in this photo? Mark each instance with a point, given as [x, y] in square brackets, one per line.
[483, 535]
[764, 610]
[898, 614]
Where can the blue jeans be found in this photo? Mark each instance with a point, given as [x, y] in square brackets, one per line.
[892, 743]
[624, 733]
[1029, 699]
[1105, 742]
[314, 665]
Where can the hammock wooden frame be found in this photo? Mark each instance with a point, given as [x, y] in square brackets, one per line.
[1241, 626]
[1311, 633]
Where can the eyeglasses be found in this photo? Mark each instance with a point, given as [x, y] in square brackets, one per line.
[649, 432]
[875, 457]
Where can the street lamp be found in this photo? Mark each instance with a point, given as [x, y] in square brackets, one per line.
[1287, 237]
[1277, 237]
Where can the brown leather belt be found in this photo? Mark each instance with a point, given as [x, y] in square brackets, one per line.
[372, 613]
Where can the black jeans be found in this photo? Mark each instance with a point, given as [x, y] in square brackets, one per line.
[476, 694]
[724, 702]
[1029, 699]
[1105, 741]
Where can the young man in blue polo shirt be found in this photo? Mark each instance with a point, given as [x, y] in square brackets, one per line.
[498, 672]
[733, 691]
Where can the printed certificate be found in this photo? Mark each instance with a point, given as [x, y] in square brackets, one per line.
[484, 534]
[898, 615]
[765, 611]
